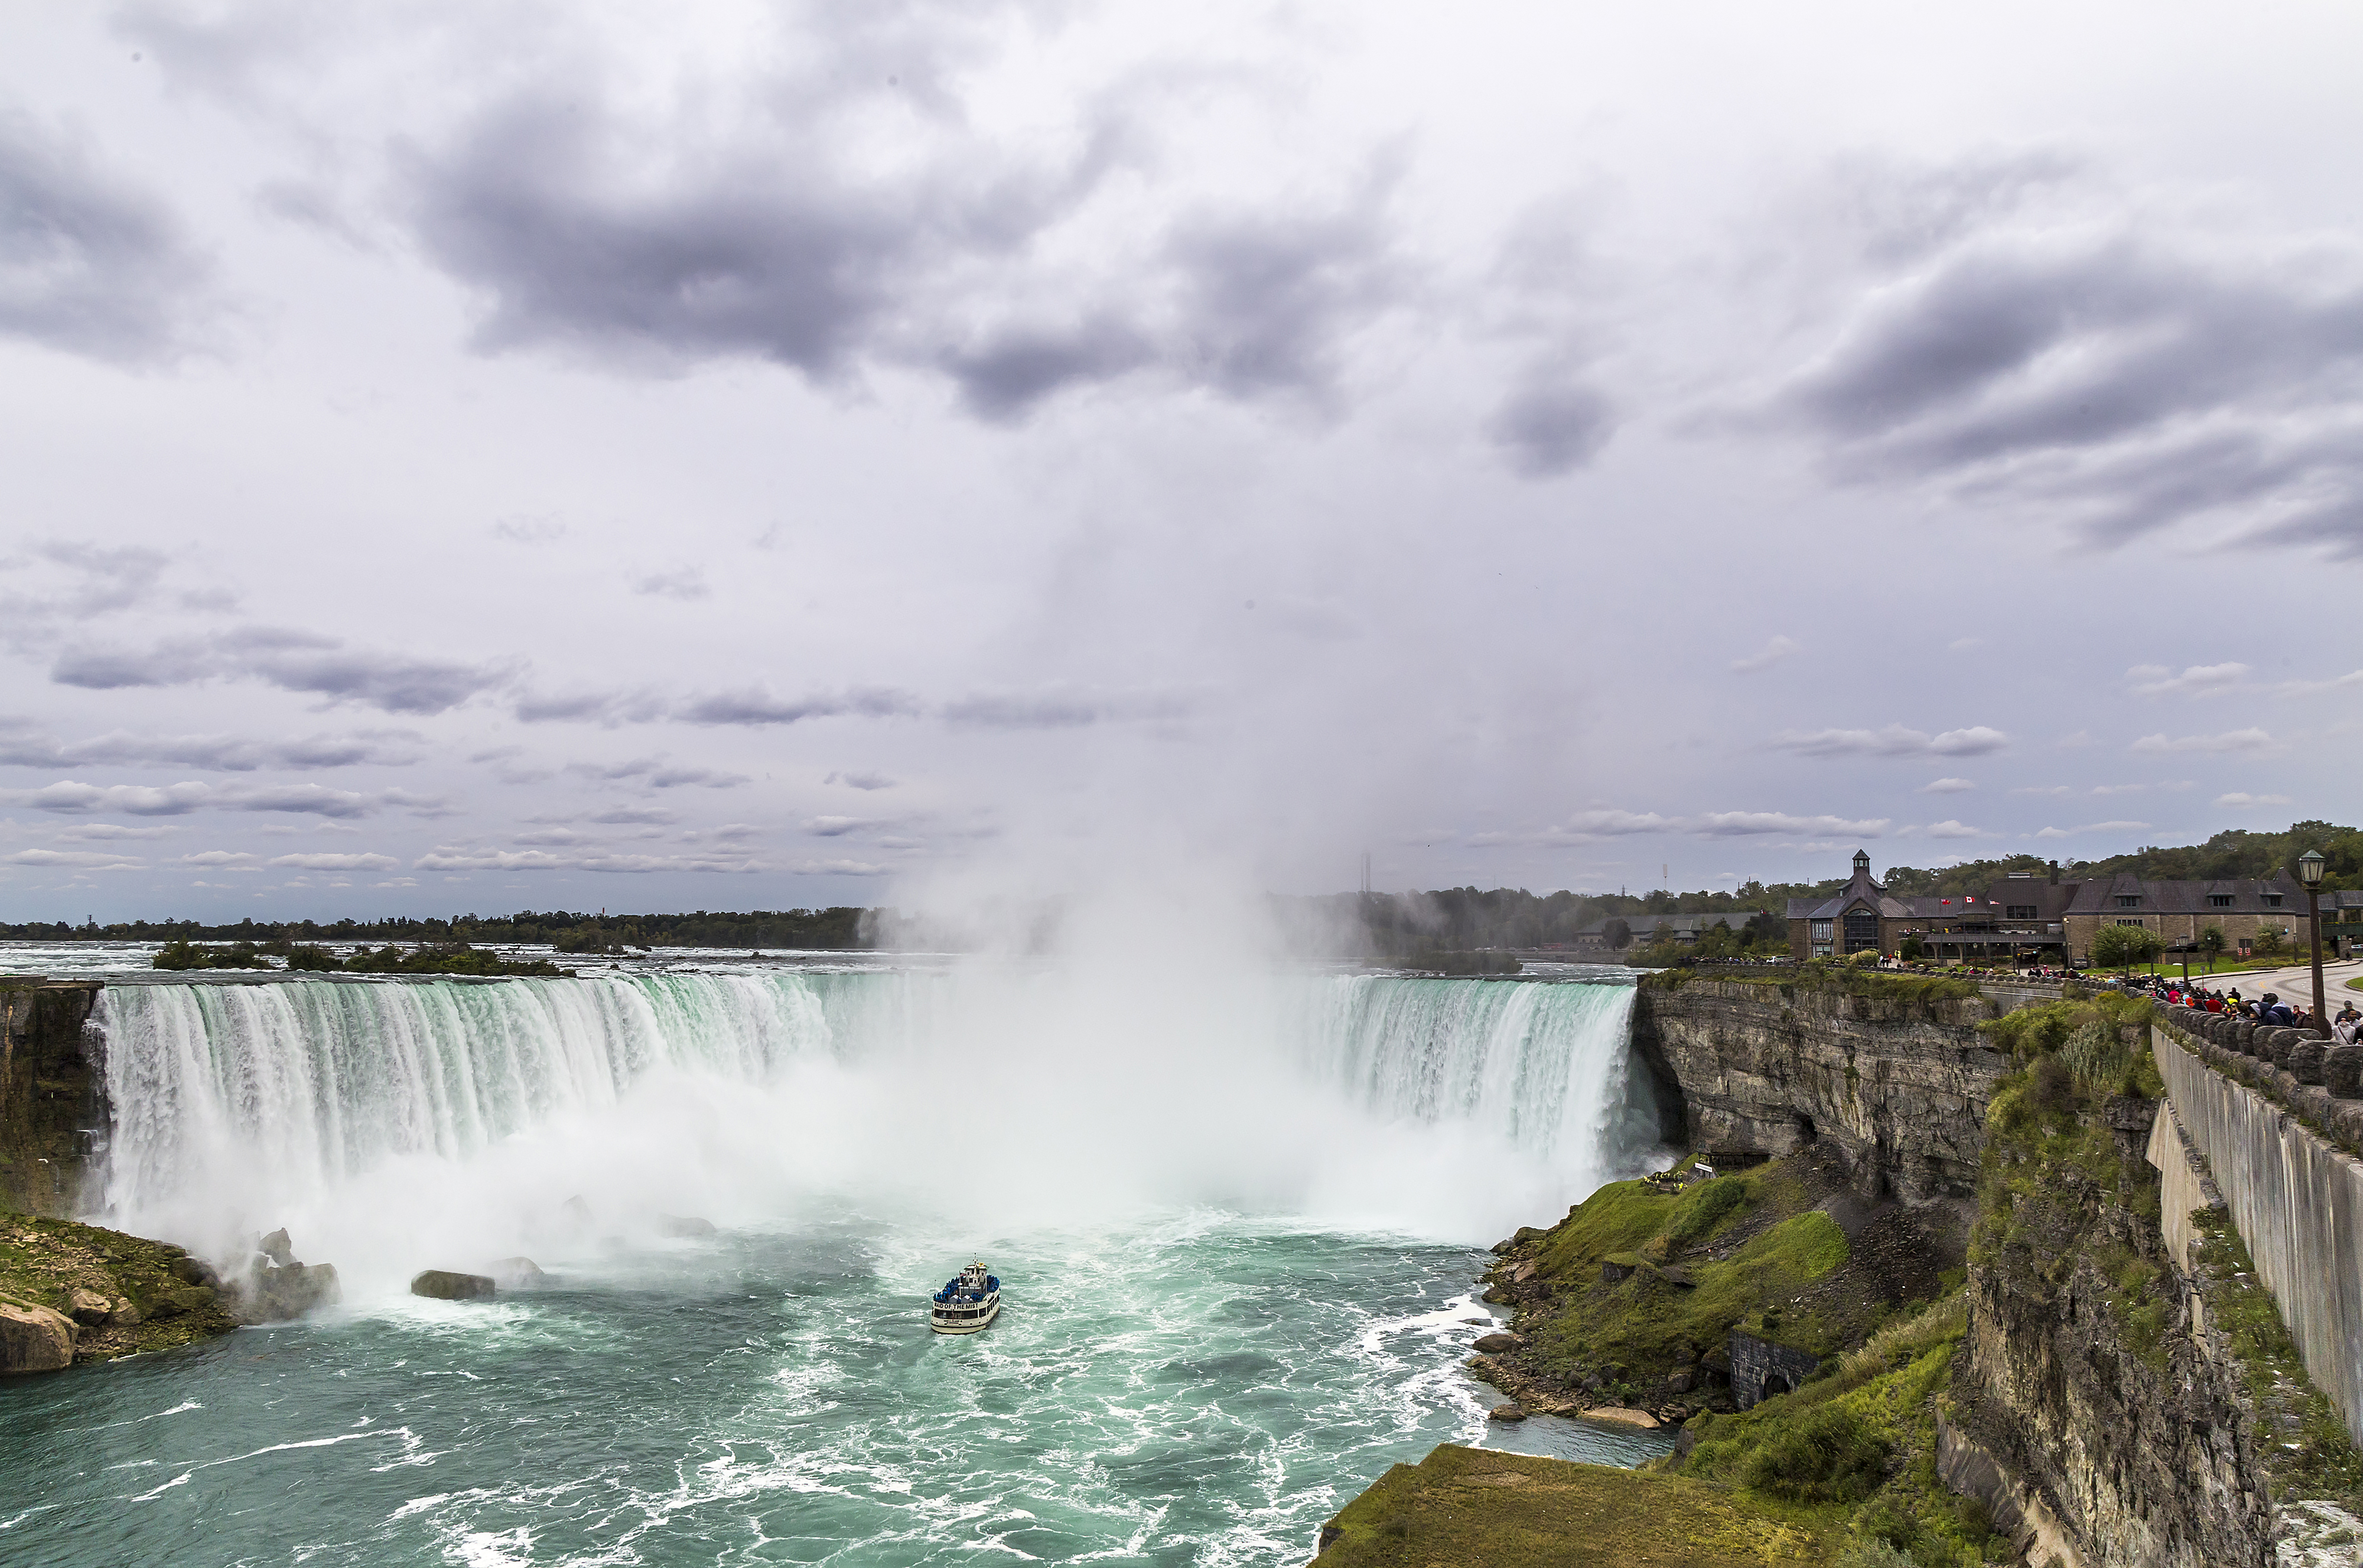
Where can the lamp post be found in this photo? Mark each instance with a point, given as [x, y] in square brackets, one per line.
[2309, 870]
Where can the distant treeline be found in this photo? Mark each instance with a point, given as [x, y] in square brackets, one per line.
[1451, 920]
[806, 928]
[2235, 853]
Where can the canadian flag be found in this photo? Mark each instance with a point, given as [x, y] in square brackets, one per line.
[1944, 901]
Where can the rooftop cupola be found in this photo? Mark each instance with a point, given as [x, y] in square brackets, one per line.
[1861, 863]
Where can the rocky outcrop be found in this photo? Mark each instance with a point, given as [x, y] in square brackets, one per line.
[1897, 1082]
[118, 1294]
[34, 1338]
[448, 1284]
[49, 1094]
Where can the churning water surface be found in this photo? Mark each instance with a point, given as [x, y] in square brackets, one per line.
[1236, 1231]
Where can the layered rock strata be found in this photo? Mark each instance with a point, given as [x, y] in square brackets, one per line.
[51, 1094]
[1898, 1084]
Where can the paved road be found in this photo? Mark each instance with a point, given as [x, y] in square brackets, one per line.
[2293, 985]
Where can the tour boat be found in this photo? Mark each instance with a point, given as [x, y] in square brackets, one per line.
[968, 1303]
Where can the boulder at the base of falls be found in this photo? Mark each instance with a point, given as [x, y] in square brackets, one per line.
[449, 1285]
[34, 1338]
[1496, 1343]
[277, 1248]
[684, 1225]
[276, 1294]
[88, 1308]
[516, 1274]
[1506, 1413]
[195, 1271]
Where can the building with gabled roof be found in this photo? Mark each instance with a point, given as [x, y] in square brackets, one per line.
[2024, 916]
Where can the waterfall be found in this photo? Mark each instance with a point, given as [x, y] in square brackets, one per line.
[249, 1103]
[1543, 1068]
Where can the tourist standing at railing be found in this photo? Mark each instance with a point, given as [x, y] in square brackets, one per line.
[2344, 1026]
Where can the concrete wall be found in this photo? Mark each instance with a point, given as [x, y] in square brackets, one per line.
[2299, 1205]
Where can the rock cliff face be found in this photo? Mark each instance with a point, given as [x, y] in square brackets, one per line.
[2097, 1411]
[1899, 1083]
[50, 1092]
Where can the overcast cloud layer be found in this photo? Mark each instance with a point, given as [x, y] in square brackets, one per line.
[736, 455]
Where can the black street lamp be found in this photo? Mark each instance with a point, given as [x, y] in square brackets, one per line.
[2309, 870]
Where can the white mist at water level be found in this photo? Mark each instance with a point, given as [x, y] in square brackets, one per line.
[394, 1126]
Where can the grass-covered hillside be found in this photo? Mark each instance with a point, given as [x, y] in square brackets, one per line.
[1631, 1298]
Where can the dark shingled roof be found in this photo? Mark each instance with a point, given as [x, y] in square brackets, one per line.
[2248, 895]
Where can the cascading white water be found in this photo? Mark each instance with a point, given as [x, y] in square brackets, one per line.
[392, 1117]
[1542, 1068]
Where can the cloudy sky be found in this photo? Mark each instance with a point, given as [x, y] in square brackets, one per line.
[667, 456]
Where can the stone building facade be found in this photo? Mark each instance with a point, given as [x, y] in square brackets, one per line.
[2038, 917]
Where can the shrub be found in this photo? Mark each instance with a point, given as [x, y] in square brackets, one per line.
[2051, 1085]
[1829, 1455]
[2098, 1056]
[1873, 1552]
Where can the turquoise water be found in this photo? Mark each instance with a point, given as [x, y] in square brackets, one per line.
[1235, 1214]
[1196, 1388]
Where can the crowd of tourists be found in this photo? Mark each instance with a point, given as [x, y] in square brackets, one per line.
[2268, 1009]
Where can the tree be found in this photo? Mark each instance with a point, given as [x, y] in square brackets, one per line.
[2212, 943]
[2122, 947]
[1913, 949]
[2269, 943]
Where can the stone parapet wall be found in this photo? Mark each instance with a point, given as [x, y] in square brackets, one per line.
[2296, 1197]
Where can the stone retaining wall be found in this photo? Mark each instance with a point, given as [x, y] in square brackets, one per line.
[2296, 1197]
[1754, 1360]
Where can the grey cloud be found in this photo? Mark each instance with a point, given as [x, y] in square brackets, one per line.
[1267, 299]
[1764, 658]
[654, 771]
[219, 753]
[91, 830]
[1589, 826]
[1060, 708]
[838, 827]
[2134, 380]
[755, 705]
[2092, 828]
[88, 264]
[624, 815]
[1947, 786]
[653, 242]
[2196, 680]
[71, 797]
[1739, 824]
[334, 863]
[2251, 739]
[682, 583]
[1894, 740]
[292, 660]
[1548, 429]
[1004, 376]
[860, 781]
[448, 857]
[78, 859]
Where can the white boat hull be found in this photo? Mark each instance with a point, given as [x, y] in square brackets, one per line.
[944, 1320]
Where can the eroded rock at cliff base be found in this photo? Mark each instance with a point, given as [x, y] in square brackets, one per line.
[34, 1338]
